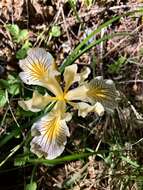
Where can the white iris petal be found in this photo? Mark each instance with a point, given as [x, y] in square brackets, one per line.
[51, 139]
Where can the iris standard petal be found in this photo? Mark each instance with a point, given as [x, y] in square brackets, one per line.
[102, 91]
[51, 140]
[98, 108]
[84, 108]
[37, 102]
[79, 93]
[70, 76]
[36, 66]
[84, 75]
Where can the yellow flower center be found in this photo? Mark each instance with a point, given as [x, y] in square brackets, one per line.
[62, 97]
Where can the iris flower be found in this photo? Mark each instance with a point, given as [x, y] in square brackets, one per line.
[51, 131]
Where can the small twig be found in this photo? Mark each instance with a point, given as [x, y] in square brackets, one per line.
[4, 117]
[13, 151]
[138, 116]
[122, 41]
[137, 142]
[13, 113]
[55, 21]
[65, 25]
[96, 10]
[27, 10]
[130, 81]
[45, 29]
[101, 51]
[12, 13]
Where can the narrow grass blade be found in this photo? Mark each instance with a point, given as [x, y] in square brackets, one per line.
[76, 52]
[8, 137]
[64, 159]
[107, 37]
[15, 149]
[70, 59]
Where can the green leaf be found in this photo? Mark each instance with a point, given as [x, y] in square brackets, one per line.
[88, 3]
[14, 85]
[9, 136]
[133, 163]
[31, 186]
[141, 51]
[21, 161]
[18, 35]
[3, 98]
[3, 84]
[13, 30]
[117, 65]
[14, 89]
[21, 53]
[55, 31]
[23, 35]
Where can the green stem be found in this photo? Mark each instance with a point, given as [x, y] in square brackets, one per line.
[65, 158]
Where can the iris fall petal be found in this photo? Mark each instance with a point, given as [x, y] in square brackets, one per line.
[102, 91]
[35, 66]
[51, 140]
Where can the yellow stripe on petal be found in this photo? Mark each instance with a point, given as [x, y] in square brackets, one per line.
[36, 66]
[54, 86]
[51, 140]
[102, 91]
[38, 71]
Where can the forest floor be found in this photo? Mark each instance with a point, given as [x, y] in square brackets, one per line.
[59, 26]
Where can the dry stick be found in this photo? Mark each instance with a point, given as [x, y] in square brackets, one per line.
[137, 142]
[40, 39]
[13, 151]
[13, 113]
[27, 10]
[56, 19]
[65, 24]
[123, 40]
[12, 13]
[130, 81]
[138, 116]
[96, 9]
[101, 51]
[132, 6]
